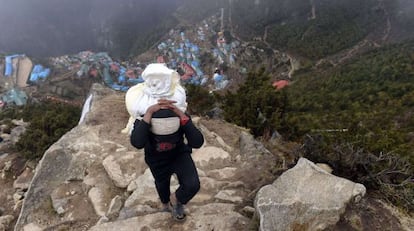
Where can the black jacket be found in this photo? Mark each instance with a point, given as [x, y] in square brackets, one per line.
[142, 137]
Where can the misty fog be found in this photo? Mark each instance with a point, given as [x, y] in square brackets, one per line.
[56, 27]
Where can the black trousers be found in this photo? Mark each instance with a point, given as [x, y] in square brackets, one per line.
[163, 165]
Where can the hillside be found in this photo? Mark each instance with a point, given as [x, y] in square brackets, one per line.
[318, 28]
[347, 102]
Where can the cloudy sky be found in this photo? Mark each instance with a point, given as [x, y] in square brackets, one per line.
[54, 27]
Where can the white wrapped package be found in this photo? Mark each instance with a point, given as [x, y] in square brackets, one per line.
[160, 82]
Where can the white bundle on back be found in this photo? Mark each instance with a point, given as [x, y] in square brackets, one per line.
[160, 82]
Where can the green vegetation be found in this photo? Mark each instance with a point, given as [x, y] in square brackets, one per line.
[371, 97]
[358, 118]
[256, 105]
[200, 101]
[315, 39]
[48, 122]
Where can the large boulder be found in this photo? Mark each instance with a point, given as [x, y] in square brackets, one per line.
[305, 197]
[123, 167]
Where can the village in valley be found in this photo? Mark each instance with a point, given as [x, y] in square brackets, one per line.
[203, 56]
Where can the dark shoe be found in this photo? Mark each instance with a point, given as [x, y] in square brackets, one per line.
[166, 208]
[177, 212]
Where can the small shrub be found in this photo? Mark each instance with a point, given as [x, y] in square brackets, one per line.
[200, 101]
[11, 112]
[48, 122]
[256, 105]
